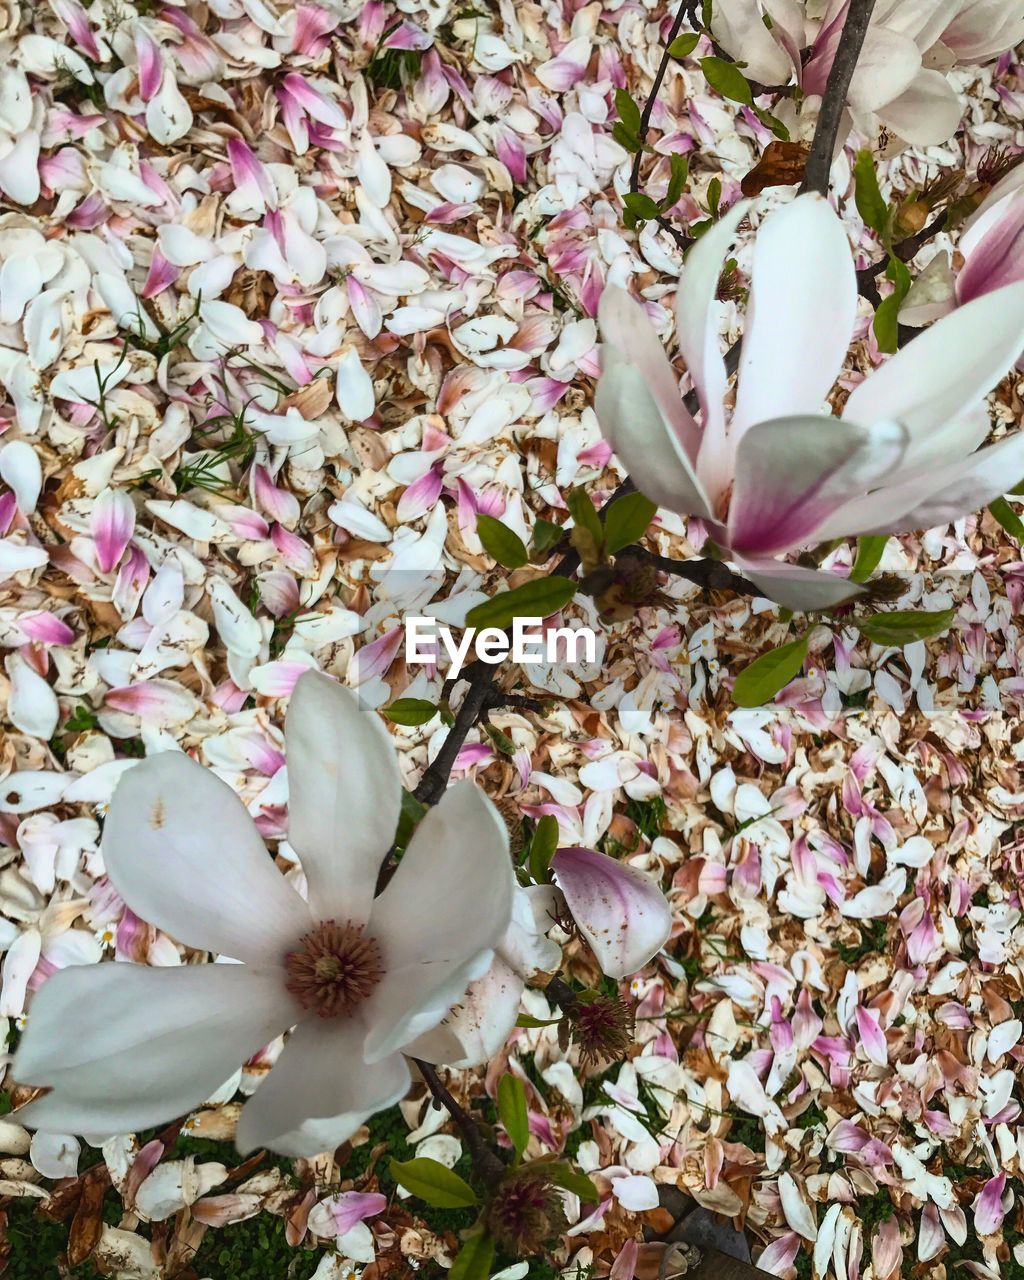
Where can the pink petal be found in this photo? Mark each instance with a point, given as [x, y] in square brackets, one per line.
[45, 628]
[988, 1207]
[778, 1258]
[112, 523]
[151, 66]
[871, 1036]
[620, 910]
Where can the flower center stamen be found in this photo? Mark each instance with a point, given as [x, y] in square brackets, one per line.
[335, 968]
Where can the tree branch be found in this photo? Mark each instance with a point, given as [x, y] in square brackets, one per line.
[819, 162]
[488, 1166]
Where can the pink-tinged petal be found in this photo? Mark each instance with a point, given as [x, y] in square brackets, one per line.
[698, 337]
[161, 275]
[365, 308]
[112, 523]
[279, 592]
[994, 251]
[251, 177]
[278, 503]
[988, 1207]
[312, 27]
[182, 851]
[939, 496]
[930, 1236]
[947, 370]
[872, 1037]
[624, 1266]
[344, 795]
[151, 65]
[422, 495]
[314, 103]
[476, 1029]
[629, 334]
[620, 910]
[887, 1249]
[297, 554]
[778, 1258]
[319, 1091]
[375, 658]
[45, 628]
[803, 302]
[795, 587]
[125, 1047]
[159, 702]
[793, 472]
[76, 20]
[338, 1214]
[431, 967]
[630, 415]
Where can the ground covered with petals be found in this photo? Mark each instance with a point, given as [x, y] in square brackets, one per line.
[358, 249]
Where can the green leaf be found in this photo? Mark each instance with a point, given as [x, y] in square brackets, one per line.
[525, 1020]
[869, 552]
[512, 1111]
[677, 181]
[410, 711]
[905, 626]
[641, 206]
[546, 535]
[542, 848]
[501, 740]
[714, 196]
[501, 543]
[682, 46]
[570, 1179]
[474, 1259]
[727, 79]
[409, 816]
[772, 122]
[886, 324]
[761, 681]
[1008, 518]
[627, 111]
[537, 599]
[624, 138]
[870, 205]
[627, 520]
[584, 513]
[432, 1182]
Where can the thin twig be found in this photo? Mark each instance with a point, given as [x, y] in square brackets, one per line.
[819, 163]
[488, 1166]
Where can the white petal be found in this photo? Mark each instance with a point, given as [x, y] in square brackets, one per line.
[355, 388]
[795, 587]
[632, 424]
[20, 468]
[184, 854]
[125, 1046]
[345, 795]
[478, 1026]
[698, 337]
[803, 301]
[928, 113]
[942, 495]
[444, 911]
[320, 1091]
[948, 369]
[32, 705]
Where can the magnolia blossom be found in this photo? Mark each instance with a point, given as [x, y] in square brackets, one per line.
[359, 979]
[619, 910]
[899, 80]
[991, 249]
[778, 472]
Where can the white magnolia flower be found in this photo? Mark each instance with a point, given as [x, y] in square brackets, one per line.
[900, 78]
[359, 979]
[778, 472]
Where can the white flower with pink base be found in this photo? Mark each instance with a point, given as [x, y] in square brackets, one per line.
[359, 979]
[776, 471]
